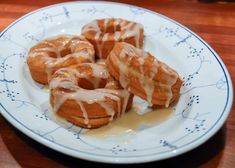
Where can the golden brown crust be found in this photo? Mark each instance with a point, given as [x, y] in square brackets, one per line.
[51, 54]
[91, 107]
[104, 33]
[144, 76]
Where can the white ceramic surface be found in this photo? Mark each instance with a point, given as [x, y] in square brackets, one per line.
[203, 107]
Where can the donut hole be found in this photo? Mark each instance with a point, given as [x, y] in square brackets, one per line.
[59, 53]
[87, 79]
[91, 83]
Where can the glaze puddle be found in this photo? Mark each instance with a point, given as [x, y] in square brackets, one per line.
[131, 122]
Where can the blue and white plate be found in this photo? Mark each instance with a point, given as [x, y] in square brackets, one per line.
[204, 104]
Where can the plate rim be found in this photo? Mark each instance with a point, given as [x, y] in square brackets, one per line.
[133, 159]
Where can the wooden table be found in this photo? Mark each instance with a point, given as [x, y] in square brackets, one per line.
[214, 22]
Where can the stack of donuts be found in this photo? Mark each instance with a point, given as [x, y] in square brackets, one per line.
[91, 93]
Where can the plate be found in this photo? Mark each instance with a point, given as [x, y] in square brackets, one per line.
[204, 104]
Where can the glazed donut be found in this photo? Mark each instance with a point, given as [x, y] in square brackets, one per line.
[53, 53]
[87, 95]
[104, 33]
[143, 75]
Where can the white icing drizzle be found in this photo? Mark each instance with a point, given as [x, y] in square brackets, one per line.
[128, 26]
[141, 60]
[109, 110]
[61, 84]
[113, 96]
[126, 96]
[99, 72]
[116, 35]
[97, 36]
[49, 43]
[58, 51]
[58, 101]
[89, 96]
[85, 115]
[101, 61]
[75, 42]
[105, 37]
[101, 44]
[50, 62]
[35, 54]
[83, 54]
[92, 25]
[132, 32]
[68, 79]
[170, 81]
[122, 23]
[148, 87]
[122, 54]
[137, 37]
[46, 49]
[89, 46]
[106, 21]
[59, 48]
[111, 84]
[123, 68]
[147, 83]
[115, 24]
[123, 71]
[127, 29]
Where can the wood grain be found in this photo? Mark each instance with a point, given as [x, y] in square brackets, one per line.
[214, 22]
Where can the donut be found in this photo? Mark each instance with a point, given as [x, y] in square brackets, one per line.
[87, 95]
[104, 33]
[143, 75]
[56, 52]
